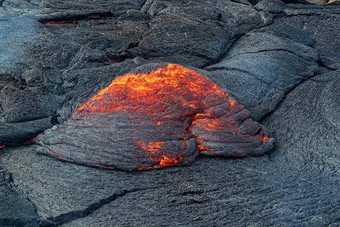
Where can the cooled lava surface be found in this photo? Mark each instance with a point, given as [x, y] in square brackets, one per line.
[165, 117]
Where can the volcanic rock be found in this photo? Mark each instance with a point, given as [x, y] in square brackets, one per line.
[285, 62]
[279, 60]
[160, 118]
[16, 210]
[60, 45]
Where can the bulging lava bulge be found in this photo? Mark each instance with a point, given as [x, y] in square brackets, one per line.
[165, 117]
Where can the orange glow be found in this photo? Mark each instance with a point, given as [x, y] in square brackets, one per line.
[209, 124]
[152, 147]
[155, 148]
[132, 91]
[114, 62]
[55, 153]
[263, 137]
[232, 103]
[166, 161]
[31, 141]
[168, 94]
[204, 148]
[61, 22]
[129, 92]
[2, 146]
[65, 21]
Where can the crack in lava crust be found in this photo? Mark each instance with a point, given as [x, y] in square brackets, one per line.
[152, 120]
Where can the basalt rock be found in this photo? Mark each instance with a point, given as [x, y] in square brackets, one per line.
[261, 67]
[160, 118]
[67, 51]
[279, 60]
[15, 209]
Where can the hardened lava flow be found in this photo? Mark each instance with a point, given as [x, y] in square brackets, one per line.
[165, 117]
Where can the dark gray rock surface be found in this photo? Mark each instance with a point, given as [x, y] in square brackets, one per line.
[265, 67]
[281, 61]
[16, 210]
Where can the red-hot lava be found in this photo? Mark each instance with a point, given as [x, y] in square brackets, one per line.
[183, 87]
[61, 22]
[113, 62]
[31, 141]
[64, 21]
[157, 119]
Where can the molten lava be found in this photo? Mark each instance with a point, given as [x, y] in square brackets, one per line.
[65, 21]
[113, 62]
[143, 93]
[160, 118]
[61, 22]
[31, 141]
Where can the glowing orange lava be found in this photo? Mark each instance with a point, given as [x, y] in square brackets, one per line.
[55, 153]
[150, 146]
[31, 141]
[163, 158]
[263, 137]
[166, 115]
[114, 62]
[201, 147]
[2, 146]
[65, 21]
[61, 22]
[184, 87]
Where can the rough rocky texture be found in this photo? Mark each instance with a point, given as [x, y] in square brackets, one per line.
[281, 61]
[155, 119]
[58, 59]
[312, 134]
[16, 210]
[285, 61]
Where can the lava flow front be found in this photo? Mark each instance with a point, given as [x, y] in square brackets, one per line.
[151, 120]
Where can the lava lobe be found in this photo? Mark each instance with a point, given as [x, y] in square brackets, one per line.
[165, 117]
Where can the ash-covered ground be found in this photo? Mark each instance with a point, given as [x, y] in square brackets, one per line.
[280, 60]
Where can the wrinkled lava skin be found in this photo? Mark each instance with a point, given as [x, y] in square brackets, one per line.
[165, 117]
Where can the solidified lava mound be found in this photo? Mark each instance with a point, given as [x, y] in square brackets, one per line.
[165, 117]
